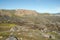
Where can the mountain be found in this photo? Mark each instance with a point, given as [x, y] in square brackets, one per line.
[29, 25]
[18, 12]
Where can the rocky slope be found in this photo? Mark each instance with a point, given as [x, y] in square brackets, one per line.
[29, 25]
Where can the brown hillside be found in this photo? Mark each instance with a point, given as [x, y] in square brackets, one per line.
[22, 12]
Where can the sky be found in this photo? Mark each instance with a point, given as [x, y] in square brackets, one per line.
[42, 6]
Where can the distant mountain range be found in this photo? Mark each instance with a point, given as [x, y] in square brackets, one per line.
[22, 12]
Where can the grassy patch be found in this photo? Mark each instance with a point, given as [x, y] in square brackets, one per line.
[6, 26]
